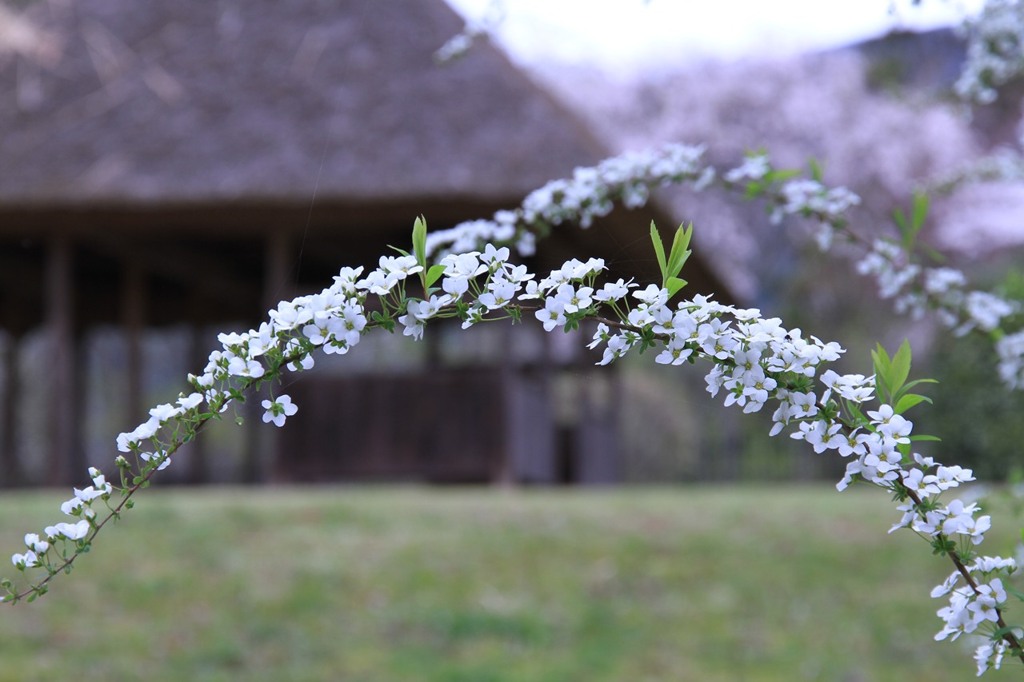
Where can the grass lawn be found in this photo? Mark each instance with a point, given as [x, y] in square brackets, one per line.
[696, 583]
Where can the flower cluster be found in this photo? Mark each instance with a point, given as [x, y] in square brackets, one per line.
[59, 535]
[976, 605]
[806, 197]
[812, 199]
[590, 193]
[757, 360]
[944, 290]
[1002, 165]
[995, 50]
[1010, 349]
[915, 289]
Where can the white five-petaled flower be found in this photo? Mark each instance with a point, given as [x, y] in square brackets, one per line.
[552, 315]
[26, 560]
[573, 300]
[161, 458]
[891, 424]
[71, 531]
[613, 291]
[493, 256]
[190, 401]
[278, 410]
[33, 542]
[652, 295]
[500, 293]
[243, 367]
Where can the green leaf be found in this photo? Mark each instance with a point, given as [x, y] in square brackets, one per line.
[817, 174]
[855, 412]
[680, 251]
[659, 251]
[935, 256]
[903, 226]
[915, 382]
[673, 285]
[434, 274]
[926, 438]
[909, 228]
[900, 368]
[900, 218]
[781, 174]
[883, 368]
[419, 240]
[905, 389]
[919, 211]
[908, 400]
[1005, 630]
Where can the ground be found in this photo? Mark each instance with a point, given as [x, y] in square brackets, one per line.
[692, 583]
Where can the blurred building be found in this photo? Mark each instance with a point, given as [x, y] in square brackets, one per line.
[193, 162]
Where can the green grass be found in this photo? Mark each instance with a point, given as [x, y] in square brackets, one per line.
[712, 583]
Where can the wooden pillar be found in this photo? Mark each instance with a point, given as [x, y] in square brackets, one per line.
[596, 442]
[507, 471]
[78, 462]
[277, 259]
[260, 447]
[61, 365]
[721, 445]
[133, 316]
[13, 473]
[197, 469]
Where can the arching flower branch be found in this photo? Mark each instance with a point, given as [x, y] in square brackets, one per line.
[754, 362]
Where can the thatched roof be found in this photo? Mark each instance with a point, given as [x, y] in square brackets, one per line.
[179, 136]
[232, 100]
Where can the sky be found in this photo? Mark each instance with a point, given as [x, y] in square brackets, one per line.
[628, 36]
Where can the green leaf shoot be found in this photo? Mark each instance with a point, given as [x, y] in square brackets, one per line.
[674, 285]
[659, 250]
[908, 400]
[919, 211]
[817, 173]
[419, 241]
[891, 374]
[433, 274]
[678, 254]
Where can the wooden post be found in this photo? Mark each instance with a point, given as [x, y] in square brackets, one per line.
[133, 315]
[596, 442]
[197, 465]
[78, 462]
[13, 474]
[61, 365]
[504, 470]
[259, 448]
[277, 259]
